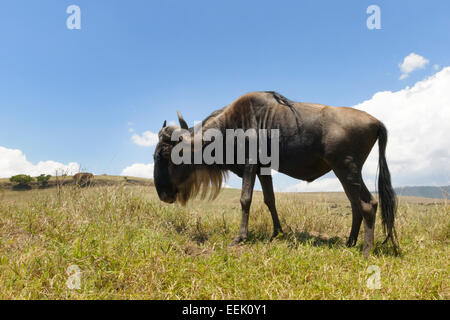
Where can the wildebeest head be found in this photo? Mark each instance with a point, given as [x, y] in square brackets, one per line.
[168, 176]
[181, 181]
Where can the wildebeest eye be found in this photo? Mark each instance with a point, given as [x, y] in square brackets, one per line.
[164, 152]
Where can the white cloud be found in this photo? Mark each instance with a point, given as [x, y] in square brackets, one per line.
[320, 185]
[436, 67]
[417, 119]
[418, 149]
[13, 162]
[139, 170]
[147, 139]
[412, 62]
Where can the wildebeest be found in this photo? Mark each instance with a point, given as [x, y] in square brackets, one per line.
[314, 139]
[83, 179]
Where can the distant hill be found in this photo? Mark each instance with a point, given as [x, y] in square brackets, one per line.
[106, 180]
[425, 192]
[100, 180]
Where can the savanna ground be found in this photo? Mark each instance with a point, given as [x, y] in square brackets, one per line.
[129, 245]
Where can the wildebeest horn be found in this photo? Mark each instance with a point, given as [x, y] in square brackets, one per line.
[183, 123]
[164, 124]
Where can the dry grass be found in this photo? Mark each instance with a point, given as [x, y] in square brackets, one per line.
[129, 245]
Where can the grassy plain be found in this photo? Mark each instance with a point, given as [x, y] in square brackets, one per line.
[129, 245]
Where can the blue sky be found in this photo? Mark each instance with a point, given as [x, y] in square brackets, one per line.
[72, 95]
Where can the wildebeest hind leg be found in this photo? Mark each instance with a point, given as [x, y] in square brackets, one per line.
[369, 210]
[248, 182]
[350, 178]
[269, 200]
[364, 205]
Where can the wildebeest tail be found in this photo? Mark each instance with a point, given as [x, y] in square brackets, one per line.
[387, 197]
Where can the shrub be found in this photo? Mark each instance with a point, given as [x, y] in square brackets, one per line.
[83, 179]
[22, 180]
[43, 179]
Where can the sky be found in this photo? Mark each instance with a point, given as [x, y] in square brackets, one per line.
[95, 97]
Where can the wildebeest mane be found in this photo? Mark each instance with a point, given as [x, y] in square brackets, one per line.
[208, 179]
[286, 102]
[214, 114]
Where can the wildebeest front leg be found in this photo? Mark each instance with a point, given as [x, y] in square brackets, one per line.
[248, 182]
[269, 200]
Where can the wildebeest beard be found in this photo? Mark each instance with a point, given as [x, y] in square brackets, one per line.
[202, 181]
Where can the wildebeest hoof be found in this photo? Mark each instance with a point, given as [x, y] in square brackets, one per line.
[367, 248]
[351, 242]
[366, 251]
[238, 240]
[276, 234]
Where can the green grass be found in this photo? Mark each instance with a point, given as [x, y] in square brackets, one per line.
[129, 245]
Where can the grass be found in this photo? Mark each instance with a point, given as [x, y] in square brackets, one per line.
[129, 245]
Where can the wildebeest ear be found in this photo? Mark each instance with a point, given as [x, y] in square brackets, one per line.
[164, 124]
[183, 123]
